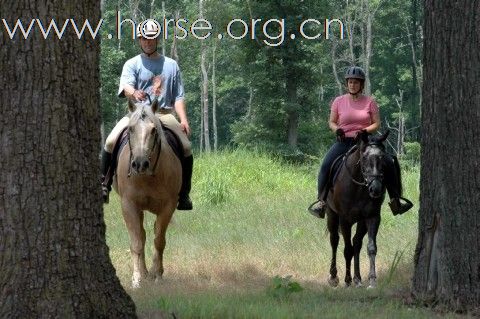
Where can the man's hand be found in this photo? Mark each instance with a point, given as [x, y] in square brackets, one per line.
[139, 95]
[185, 127]
[157, 85]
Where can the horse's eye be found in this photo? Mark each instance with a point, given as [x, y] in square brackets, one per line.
[153, 131]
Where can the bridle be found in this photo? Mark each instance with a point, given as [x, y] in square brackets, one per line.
[366, 177]
[156, 140]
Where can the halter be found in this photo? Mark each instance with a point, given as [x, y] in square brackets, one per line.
[365, 182]
[155, 141]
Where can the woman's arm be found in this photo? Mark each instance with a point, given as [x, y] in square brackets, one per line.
[372, 128]
[332, 122]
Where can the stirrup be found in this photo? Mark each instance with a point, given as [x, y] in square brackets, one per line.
[105, 194]
[397, 207]
[317, 208]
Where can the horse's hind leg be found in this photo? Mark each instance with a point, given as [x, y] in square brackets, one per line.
[372, 228]
[332, 224]
[160, 229]
[357, 247]
[348, 251]
[134, 221]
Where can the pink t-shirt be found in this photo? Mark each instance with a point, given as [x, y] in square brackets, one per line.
[354, 116]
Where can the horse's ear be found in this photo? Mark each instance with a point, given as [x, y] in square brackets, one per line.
[155, 105]
[364, 136]
[131, 105]
[382, 138]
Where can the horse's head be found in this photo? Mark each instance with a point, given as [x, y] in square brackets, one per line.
[144, 136]
[373, 162]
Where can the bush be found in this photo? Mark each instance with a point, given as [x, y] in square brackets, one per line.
[412, 153]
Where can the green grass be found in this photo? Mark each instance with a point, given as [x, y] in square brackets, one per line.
[249, 225]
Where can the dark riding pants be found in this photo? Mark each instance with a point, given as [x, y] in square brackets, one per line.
[336, 150]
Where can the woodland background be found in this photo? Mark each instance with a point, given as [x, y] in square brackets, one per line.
[276, 99]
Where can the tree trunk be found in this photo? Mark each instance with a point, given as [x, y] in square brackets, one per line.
[214, 96]
[447, 259]
[164, 15]
[368, 49]
[53, 256]
[200, 137]
[203, 66]
[334, 68]
[292, 106]
[401, 124]
[173, 50]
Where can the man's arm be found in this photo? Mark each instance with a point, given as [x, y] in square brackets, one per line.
[181, 110]
[130, 92]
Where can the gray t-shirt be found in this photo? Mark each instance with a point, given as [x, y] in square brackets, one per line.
[140, 71]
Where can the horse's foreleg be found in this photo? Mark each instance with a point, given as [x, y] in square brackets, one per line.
[372, 228]
[332, 224]
[357, 247]
[134, 221]
[348, 251]
[161, 224]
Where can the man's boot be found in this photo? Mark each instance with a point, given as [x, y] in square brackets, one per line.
[184, 201]
[107, 175]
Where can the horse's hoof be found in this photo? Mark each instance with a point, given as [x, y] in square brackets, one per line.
[348, 284]
[358, 283]
[138, 278]
[373, 284]
[135, 284]
[333, 282]
[158, 279]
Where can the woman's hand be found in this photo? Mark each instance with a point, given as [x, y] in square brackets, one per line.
[340, 134]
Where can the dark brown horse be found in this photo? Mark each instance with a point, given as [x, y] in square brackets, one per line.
[356, 197]
[148, 178]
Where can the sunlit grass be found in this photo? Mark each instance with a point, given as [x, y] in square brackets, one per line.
[250, 224]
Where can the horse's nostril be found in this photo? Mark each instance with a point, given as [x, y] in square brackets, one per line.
[145, 165]
[134, 164]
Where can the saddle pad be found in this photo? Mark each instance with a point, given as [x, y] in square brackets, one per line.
[337, 163]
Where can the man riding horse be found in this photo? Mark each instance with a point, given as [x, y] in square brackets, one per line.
[146, 75]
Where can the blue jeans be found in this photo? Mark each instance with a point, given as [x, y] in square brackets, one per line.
[336, 150]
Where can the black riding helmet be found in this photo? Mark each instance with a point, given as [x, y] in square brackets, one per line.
[355, 72]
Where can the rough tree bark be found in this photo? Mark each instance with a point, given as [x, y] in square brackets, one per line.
[53, 256]
[447, 259]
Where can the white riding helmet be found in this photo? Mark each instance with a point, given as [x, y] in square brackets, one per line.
[150, 29]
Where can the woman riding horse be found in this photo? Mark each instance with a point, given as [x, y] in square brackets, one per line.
[351, 114]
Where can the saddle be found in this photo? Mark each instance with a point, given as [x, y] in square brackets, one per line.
[335, 168]
[172, 139]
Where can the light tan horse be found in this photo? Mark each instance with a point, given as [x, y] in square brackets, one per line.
[149, 177]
